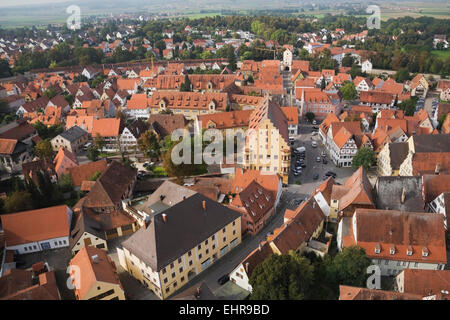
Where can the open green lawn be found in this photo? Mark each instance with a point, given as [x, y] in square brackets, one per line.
[443, 54]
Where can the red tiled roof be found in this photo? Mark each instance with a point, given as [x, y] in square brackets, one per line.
[36, 225]
[85, 171]
[291, 114]
[223, 120]
[403, 231]
[92, 272]
[7, 146]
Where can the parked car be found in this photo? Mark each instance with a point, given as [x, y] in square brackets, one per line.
[314, 122]
[323, 154]
[87, 145]
[291, 140]
[314, 144]
[316, 176]
[318, 159]
[331, 173]
[324, 161]
[223, 279]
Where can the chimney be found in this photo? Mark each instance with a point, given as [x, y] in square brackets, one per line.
[246, 266]
[438, 167]
[161, 197]
[204, 205]
[164, 217]
[402, 200]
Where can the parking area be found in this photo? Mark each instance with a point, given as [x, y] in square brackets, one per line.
[314, 167]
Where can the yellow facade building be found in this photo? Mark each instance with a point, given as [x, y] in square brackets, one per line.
[267, 142]
[94, 276]
[179, 243]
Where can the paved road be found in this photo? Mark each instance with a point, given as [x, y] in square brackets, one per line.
[290, 194]
[308, 184]
[392, 72]
[249, 243]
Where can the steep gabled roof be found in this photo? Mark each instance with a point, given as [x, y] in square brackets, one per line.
[110, 186]
[95, 266]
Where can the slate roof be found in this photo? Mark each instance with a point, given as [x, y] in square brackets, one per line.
[389, 193]
[187, 225]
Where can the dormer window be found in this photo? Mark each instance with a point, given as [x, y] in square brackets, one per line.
[377, 248]
[392, 250]
[409, 251]
[424, 252]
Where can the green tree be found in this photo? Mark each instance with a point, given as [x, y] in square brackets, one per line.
[282, 277]
[348, 91]
[43, 149]
[186, 86]
[128, 163]
[18, 201]
[349, 267]
[310, 116]
[50, 93]
[148, 144]
[402, 75]
[5, 70]
[4, 106]
[65, 183]
[408, 106]
[364, 157]
[348, 60]
[99, 142]
[93, 153]
[182, 170]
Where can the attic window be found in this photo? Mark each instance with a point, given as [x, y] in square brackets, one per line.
[377, 248]
[409, 251]
[392, 250]
[424, 252]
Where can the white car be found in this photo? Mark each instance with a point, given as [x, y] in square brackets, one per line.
[87, 145]
[314, 144]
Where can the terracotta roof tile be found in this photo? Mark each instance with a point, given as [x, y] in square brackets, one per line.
[36, 225]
